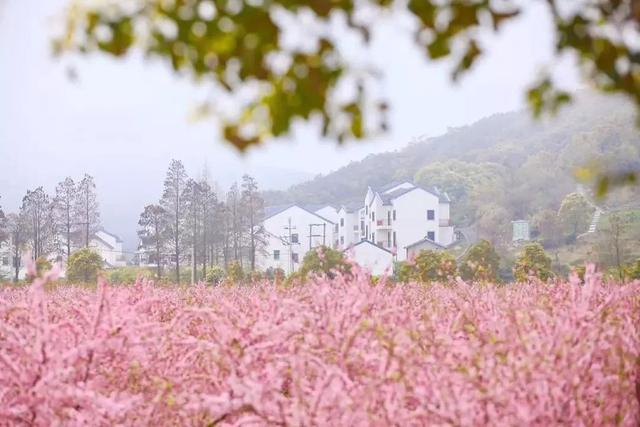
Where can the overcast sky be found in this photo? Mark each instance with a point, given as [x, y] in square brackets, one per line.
[123, 120]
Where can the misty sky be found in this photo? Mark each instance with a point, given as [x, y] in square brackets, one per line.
[123, 120]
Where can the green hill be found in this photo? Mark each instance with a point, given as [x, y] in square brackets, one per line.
[504, 167]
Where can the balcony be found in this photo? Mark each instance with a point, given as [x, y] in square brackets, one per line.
[383, 223]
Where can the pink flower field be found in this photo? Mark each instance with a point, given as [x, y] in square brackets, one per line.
[329, 353]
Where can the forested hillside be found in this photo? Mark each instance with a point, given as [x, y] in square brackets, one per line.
[501, 168]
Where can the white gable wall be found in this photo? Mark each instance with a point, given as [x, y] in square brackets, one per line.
[276, 227]
[411, 222]
[348, 228]
[369, 256]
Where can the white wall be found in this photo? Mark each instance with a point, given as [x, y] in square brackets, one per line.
[276, 227]
[367, 255]
[331, 213]
[348, 228]
[411, 222]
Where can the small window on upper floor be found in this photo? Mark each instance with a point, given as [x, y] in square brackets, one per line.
[294, 257]
[394, 214]
[431, 214]
[373, 216]
[294, 238]
[431, 235]
[341, 222]
[342, 240]
[276, 254]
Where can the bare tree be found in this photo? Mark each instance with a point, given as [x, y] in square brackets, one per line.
[3, 227]
[86, 208]
[17, 231]
[153, 232]
[208, 206]
[253, 211]
[613, 246]
[173, 205]
[37, 210]
[234, 221]
[192, 196]
[65, 210]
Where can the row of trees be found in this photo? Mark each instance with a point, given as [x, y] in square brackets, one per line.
[193, 223]
[47, 225]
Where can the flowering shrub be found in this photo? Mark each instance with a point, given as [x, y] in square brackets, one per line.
[333, 352]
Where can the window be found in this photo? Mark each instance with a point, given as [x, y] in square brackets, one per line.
[431, 235]
[373, 237]
[388, 217]
[341, 222]
[431, 214]
[276, 254]
[373, 216]
[5, 260]
[366, 210]
[342, 240]
[366, 231]
[394, 214]
[394, 239]
[388, 238]
[361, 225]
[294, 238]
[294, 257]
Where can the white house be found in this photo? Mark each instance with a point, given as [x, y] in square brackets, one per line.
[402, 214]
[374, 258]
[291, 231]
[109, 246]
[349, 225]
[106, 244]
[396, 220]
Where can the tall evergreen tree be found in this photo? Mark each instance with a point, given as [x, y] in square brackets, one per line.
[86, 208]
[65, 210]
[174, 205]
[153, 232]
[253, 211]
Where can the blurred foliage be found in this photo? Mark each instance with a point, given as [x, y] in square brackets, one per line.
[532, 262]
[84, 266]
[42, 266]
[129, 275]
[235, 273]
[324, 261]
[575, 215]
[428, 266]
[244, 48]
[480, 263]
[215, 275]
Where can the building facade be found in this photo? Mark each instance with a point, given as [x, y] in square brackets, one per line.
[394, 221]
[292, 231]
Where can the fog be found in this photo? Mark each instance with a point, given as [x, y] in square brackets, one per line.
[123, 120]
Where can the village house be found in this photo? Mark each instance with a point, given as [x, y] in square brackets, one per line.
[290, 232]
[395, 221]
[106, 244]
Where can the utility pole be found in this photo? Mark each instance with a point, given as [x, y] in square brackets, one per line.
[289, 227]
[323, 235]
